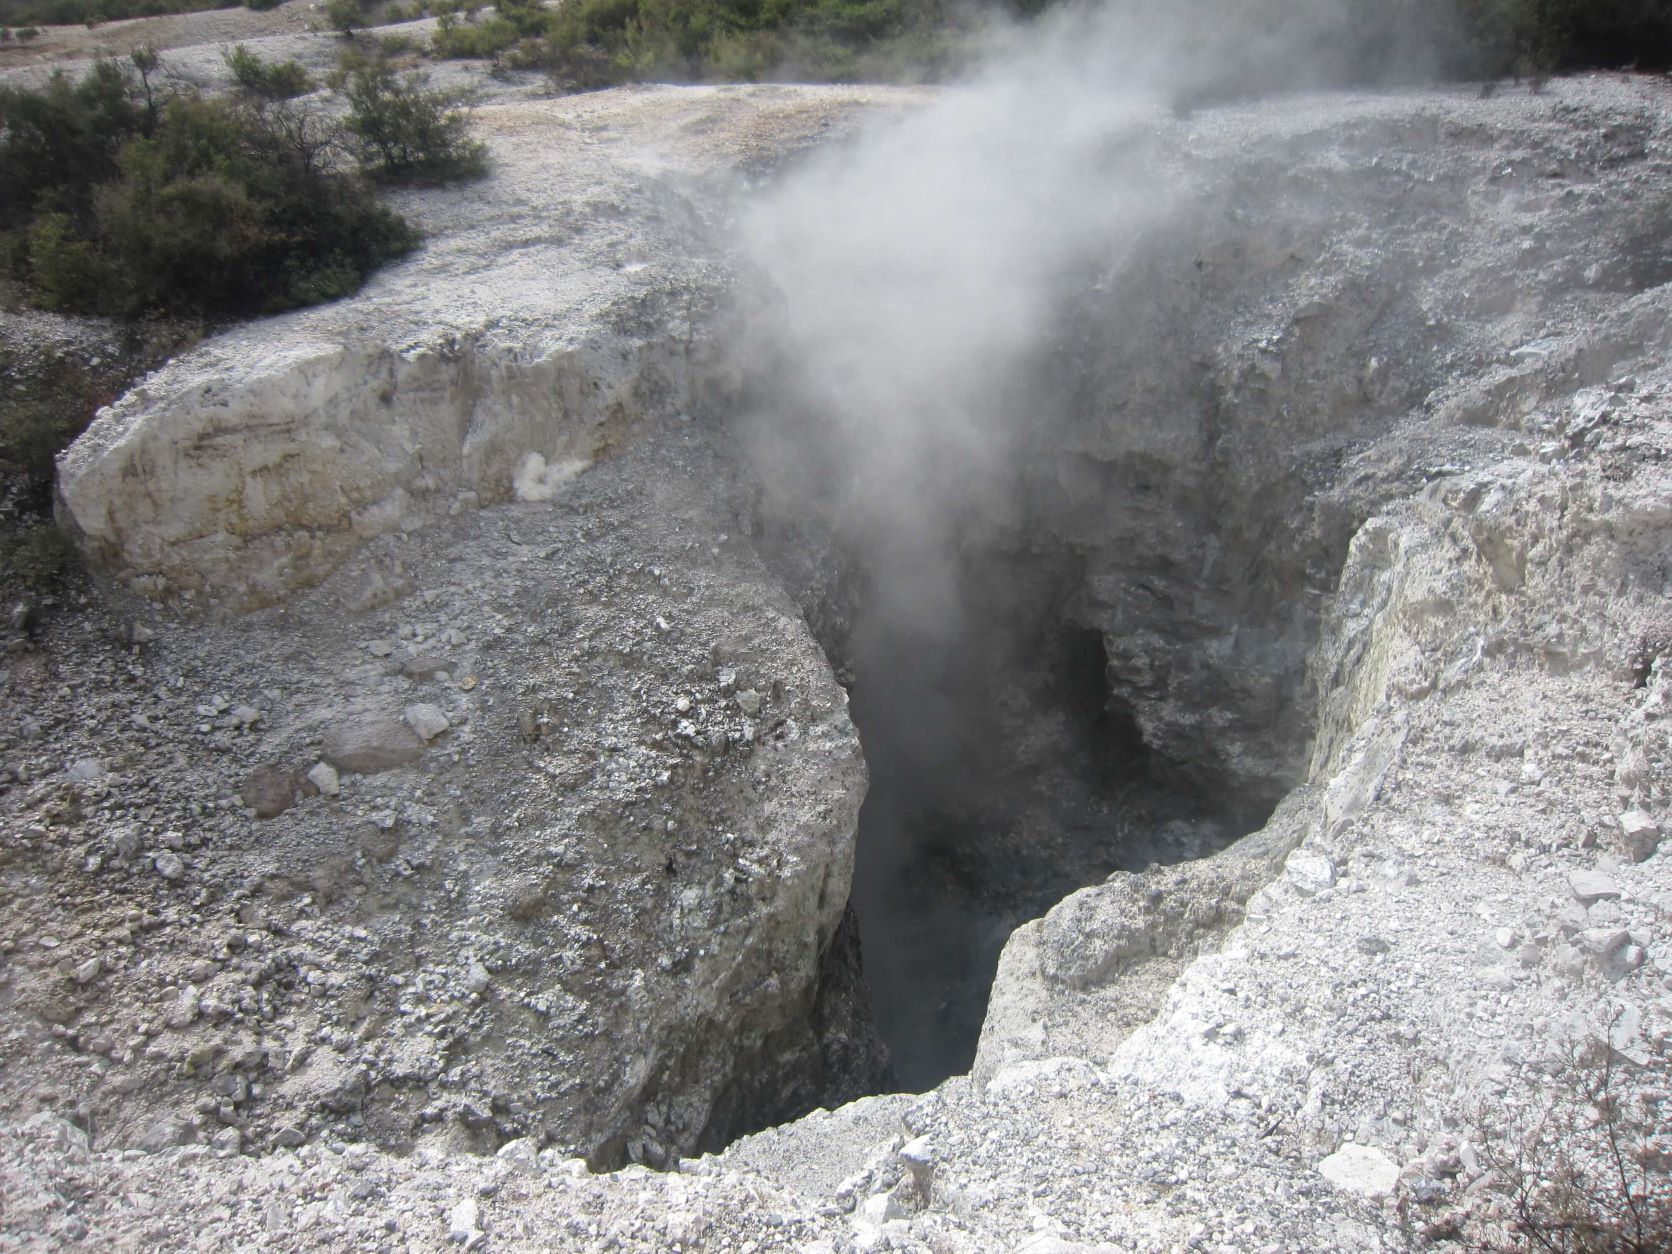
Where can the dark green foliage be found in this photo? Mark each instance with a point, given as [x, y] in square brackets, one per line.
[267, 80]
[62, 141]
[215, 208]
[92, 12]
[1541, 36]
[56, 404]
[408, 130]
[583, 44]
[345, 16]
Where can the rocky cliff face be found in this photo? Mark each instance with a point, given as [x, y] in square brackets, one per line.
[1356, 469]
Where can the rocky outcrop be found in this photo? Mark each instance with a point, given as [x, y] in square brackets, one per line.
[1226, 372]
[248, 470]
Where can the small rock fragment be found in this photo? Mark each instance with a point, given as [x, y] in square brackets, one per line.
[169, 865]
[464, 1222]
[323, 776]
[919, 1157]
[269, 791]
[1591, 886]
[371, 744]
[163, 1135]
[1641, 834]
[426, 720]
[185, 1009]
[749, 701]
[1309, 872]
[1361, 1169]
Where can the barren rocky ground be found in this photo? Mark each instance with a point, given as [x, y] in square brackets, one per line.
[434, 826]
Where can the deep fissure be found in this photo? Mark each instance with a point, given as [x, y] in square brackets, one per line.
[1004, 776]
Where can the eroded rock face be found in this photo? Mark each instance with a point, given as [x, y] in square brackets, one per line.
[573, 880]
[1316, 283]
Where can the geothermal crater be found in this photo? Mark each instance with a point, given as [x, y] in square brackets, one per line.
[1239, 582]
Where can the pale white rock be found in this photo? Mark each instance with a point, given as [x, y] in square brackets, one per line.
[464, 1222]
[880, 1209]
[1361, 1169]
[1591, 886]
[323, 776]
[427, 720]
[86, 770]
[523, 1152]
[185, 1008]
[1310, 873]
[169, 865]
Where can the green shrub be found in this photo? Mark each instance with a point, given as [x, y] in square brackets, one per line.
[60, 141]
[458, 40]
[68, 271]
[514, 23]
[206, 208]
[408, 130]
[345, 16]
[267, 80]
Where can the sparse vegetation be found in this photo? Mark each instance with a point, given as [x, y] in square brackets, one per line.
[405, 129]
[51, 401]
[125, 201]
[346, 16]
[592, 43]
[1591, 1176]
[267, 80]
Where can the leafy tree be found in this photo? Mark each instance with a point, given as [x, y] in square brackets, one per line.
[409, 130]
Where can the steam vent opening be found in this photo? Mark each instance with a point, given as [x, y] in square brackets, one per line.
[1007, 766]
[1004, 775]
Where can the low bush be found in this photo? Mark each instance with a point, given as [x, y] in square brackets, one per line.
[267, 80]
[346, 16]
[405, 129]
[92, 12]
[123, 202]
[1591, 1174]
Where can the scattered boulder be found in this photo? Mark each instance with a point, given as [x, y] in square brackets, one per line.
[323, 776]
[1361, 1169]
[1640, 833]
[427, 720]
[269, 791]
[371, 744]
[1591, 886]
